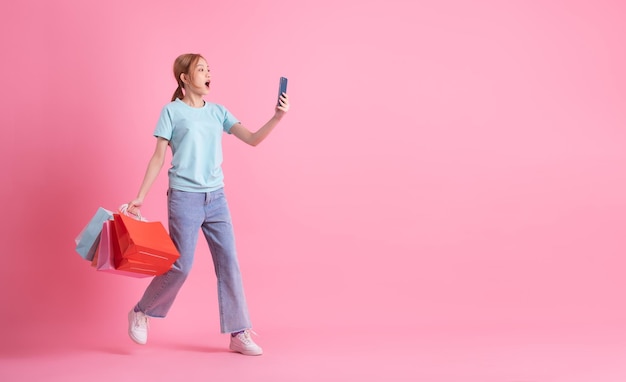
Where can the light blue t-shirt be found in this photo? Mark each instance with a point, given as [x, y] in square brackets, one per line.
[195, 136]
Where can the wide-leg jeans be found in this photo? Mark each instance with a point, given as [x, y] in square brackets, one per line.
[188, 212]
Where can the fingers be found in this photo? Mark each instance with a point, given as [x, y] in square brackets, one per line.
[133, 207]
[283, 103]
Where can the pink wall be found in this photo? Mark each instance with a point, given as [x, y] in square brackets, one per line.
[460, 162]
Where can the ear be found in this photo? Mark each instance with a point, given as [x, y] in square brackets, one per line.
[183, 78]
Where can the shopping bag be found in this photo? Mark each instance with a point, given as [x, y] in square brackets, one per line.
[107, 248]
[87, 240]
[144, 246]
[94, 261]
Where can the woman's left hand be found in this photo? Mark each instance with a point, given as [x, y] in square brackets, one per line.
[283, 107]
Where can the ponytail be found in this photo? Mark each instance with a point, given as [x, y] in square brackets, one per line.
[183, 64]
[178, 93]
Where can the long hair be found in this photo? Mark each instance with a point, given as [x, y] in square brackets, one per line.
[184, 64]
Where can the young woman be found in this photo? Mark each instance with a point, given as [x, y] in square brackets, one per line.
[193, 129]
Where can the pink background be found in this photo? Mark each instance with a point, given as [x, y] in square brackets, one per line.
[452, 167]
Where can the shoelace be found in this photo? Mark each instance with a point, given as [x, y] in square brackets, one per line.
[245, 336]
[141, 320]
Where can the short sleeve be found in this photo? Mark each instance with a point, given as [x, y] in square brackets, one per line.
[164, 126]
[229, 121]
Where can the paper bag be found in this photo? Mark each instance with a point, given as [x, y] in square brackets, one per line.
[144, 246]
[106, 253]
[87, 240]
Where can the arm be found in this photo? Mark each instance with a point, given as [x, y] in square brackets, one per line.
[154, 167]
[253, 139]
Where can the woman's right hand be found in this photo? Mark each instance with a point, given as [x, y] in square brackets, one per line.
[134, 206]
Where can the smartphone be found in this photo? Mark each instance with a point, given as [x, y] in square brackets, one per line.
[282, 88]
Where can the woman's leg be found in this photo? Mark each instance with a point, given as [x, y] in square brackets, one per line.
[218, 230]
[185, 216]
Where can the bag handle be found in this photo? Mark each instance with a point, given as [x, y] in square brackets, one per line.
[124, 210]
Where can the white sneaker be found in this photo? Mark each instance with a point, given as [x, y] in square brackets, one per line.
[138, 327]
[243, 343]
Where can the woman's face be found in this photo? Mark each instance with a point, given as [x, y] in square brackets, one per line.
[200, 77]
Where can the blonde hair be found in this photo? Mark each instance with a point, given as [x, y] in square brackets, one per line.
[184, 64]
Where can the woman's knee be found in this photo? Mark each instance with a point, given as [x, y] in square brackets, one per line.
[181, 269]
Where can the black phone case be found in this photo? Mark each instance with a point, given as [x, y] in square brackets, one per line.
[282, 88]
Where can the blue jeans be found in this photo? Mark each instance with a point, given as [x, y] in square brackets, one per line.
[188, 212]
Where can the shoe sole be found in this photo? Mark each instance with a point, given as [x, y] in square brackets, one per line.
[135, 340]
[245, 352]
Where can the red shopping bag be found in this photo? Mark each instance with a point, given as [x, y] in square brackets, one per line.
[144, 246]
[104, 260]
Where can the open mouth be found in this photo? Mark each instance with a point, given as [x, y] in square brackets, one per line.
[207, 84]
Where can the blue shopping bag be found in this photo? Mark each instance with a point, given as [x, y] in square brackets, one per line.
[88, 239]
